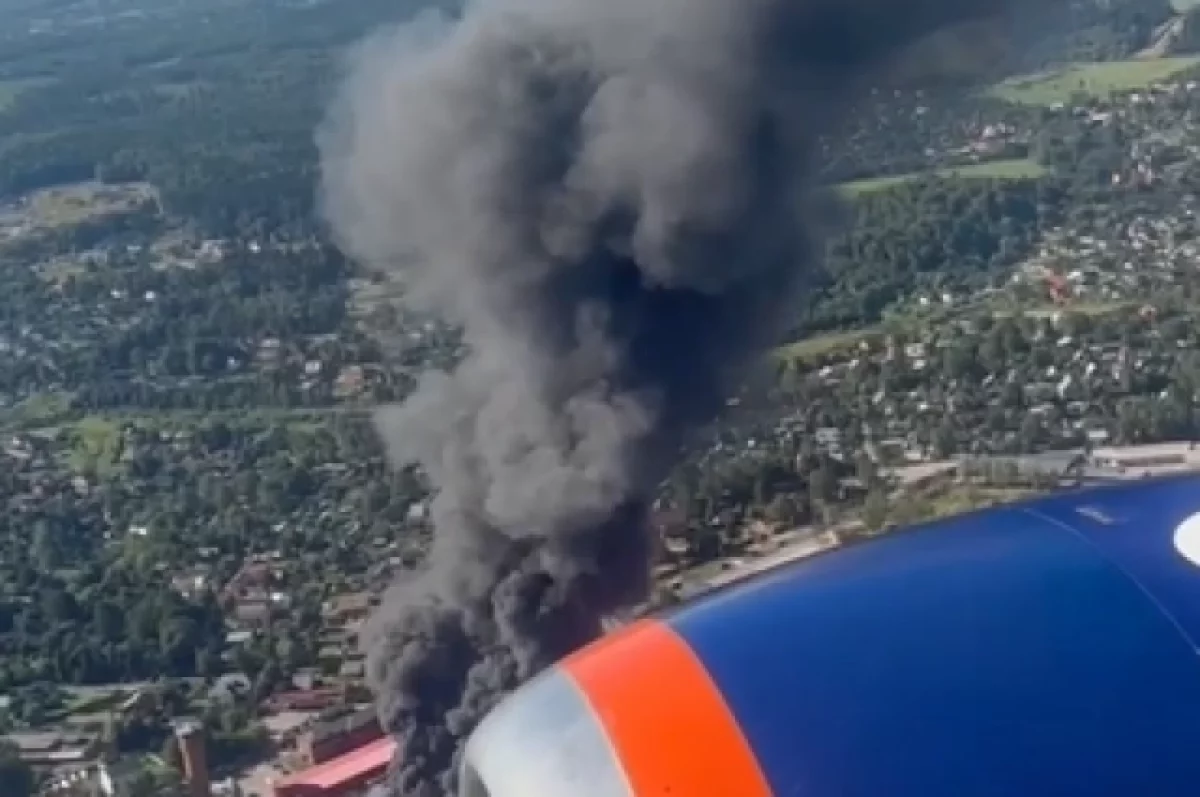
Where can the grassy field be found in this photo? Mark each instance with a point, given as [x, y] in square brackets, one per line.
[950, 500]
[97, 445]
[957, 499]
[72, 204]
[89, 706]
[43, 409]
[818, 346]
[821, 345]
[49, 414]
[11, 89]
[1014, 169]
[96, 442]
[8, 93]
[177, 90]
[1097, 79]
[1092, 309]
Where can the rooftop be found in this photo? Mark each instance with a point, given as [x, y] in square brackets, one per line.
[45, 741]
[364, 761]
[346, 722]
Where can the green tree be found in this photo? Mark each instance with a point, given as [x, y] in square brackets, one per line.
[159, 782]
[866, 469]
[268, 679]
[945, 441]
[1031, 433]
[108, 620]
[876, 510]
[822, 484]
[46, 550]
[16, 778]
[171, 754]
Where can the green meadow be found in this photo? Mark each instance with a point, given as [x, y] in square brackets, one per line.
[1095, 79]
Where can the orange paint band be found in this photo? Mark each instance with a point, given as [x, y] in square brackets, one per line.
[669, 726]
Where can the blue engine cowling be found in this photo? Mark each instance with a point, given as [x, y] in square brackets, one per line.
[1045, 649]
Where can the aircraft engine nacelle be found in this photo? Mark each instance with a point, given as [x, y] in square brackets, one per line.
[1046, 649]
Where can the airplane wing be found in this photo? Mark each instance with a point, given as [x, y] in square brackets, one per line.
[1044, 649]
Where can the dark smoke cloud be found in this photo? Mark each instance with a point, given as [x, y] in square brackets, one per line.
[612, 198]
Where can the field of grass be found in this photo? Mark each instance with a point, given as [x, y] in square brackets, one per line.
[72, 204]
[11, 89]
[949, 500]
[821, 345]
[59, 269]
[298, 418]
[90, 705]
[177, 90]
[1012, 169]
[36, 411]
[1096, 79]
[1092, 309]
[966, 498]
[50, 414]
[97, 446]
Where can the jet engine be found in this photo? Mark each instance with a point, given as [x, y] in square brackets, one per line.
[1044, 649]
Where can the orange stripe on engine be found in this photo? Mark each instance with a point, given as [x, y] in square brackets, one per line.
[668, 724]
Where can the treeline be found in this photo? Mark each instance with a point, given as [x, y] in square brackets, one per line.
[102, 628]
[222, 124]
[932, 234]
[1085, 30]
[220, 121]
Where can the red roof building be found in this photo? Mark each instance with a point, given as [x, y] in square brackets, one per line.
[335, 736]
[344, 775]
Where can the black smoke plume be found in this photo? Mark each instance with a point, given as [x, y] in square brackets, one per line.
[613, 199]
